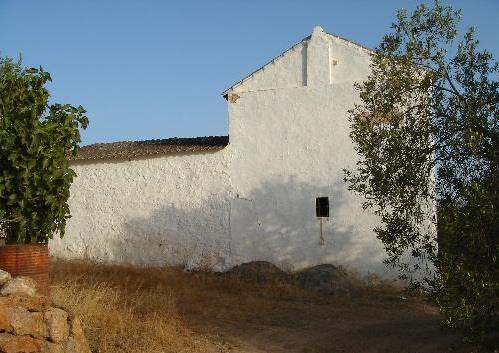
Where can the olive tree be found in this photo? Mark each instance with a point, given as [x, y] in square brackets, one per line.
[35, 141]
[426, 131]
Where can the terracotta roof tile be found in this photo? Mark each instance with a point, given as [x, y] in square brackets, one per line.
[126, 150]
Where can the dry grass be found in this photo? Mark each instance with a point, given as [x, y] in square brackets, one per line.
[132, 309]
[123, 309]
[127, 309]
[117, 322]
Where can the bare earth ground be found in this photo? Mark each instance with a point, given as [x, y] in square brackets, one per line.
[128, 309]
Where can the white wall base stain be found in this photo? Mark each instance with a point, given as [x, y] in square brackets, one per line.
[253, 200]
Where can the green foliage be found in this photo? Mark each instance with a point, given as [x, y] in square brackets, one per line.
[35, 140]
[427, 133]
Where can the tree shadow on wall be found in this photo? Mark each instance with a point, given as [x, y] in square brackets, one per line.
[276, 222]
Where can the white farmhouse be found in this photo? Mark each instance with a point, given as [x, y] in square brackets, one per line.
[272, 190]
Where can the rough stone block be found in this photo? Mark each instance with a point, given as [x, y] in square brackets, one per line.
[36, 303]
[22, 322]
[57, 324]
[18, 344]
[4, 277]
[19, 285]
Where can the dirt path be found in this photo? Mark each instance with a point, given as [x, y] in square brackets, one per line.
[386, 324]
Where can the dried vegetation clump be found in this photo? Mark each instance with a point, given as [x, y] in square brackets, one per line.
[123, 309]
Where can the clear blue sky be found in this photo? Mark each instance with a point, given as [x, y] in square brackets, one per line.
[155, 69]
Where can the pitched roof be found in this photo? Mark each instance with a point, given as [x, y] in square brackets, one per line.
[127, 150]
[226, 92]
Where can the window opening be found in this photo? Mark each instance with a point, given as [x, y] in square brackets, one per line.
[322, 206]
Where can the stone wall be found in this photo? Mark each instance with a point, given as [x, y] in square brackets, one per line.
[29, 323]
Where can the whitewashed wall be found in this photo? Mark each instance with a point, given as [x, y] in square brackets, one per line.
[254, 200]
[171, 210]
[290, 145]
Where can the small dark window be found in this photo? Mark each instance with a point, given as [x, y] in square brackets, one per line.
[322, 207]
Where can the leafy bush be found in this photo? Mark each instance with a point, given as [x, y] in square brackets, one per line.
[35, 140]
